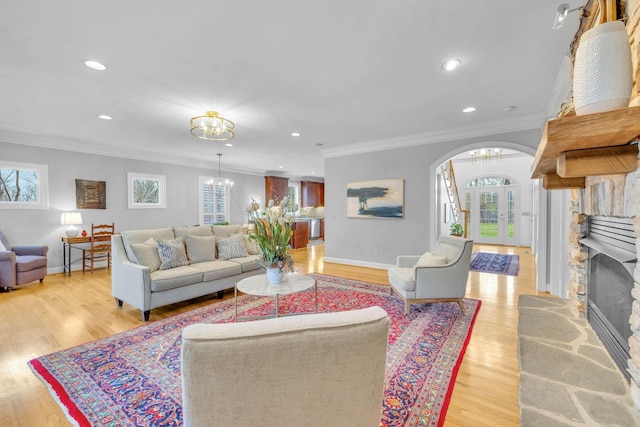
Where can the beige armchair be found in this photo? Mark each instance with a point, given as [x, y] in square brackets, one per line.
[309, 370]
[21, 264]
[437, 276]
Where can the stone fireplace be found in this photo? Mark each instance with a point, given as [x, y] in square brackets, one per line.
[616, 197]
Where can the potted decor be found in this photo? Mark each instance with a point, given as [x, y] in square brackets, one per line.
[272, 231]
[456, 229]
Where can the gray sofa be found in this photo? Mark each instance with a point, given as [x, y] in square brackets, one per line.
[142, 279]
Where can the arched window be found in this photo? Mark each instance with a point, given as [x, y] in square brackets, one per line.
[489, 181]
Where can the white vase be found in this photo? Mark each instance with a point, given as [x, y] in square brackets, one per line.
[602, 73]
[274, 275]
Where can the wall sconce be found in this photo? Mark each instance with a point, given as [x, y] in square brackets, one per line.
[561, 15]
[71, 219]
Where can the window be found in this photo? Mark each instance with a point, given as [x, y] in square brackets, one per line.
[214, 204]
[489, 181]
[293, 195]
[23, 186]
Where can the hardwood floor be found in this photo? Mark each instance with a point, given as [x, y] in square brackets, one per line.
[42, 318]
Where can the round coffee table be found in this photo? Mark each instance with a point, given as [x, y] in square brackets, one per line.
[259, 285]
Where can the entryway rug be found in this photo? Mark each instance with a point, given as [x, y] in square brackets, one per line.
[133, 378]
[486, 262]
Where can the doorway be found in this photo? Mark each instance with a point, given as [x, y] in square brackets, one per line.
[493, 203]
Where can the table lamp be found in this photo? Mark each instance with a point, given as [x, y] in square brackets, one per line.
[71, 219]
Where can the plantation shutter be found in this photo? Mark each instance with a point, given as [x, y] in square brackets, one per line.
[214, 204]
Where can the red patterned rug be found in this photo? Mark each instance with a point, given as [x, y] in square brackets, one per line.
[133, 378]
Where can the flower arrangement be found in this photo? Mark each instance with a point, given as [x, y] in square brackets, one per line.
[272, 233]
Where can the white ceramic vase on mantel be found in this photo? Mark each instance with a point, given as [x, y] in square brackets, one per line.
[602, 73]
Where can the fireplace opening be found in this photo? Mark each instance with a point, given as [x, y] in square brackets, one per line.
[612, 258]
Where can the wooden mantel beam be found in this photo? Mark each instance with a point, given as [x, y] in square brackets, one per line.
[554, 182]
[615, 160]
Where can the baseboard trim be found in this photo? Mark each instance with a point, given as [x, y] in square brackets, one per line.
[358, 263]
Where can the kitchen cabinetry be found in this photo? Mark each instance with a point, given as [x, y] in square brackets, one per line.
[300, 234]
[276, 188]
[322, 228]
[312, 194]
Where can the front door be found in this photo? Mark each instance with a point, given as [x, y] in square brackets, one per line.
[493, 213]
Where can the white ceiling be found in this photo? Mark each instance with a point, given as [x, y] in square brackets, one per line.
[349, 75]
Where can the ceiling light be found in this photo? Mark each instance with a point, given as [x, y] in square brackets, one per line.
[486, 155]
[105, 117]
[469, 110]
[228, 144]
[212, 126]
[280, 167]
[561, 15]
[221, 185]
[295, 133]
[451, 64]
[95, 65]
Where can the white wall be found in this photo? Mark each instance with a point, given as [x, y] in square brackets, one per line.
[42, 226]
[377, 242]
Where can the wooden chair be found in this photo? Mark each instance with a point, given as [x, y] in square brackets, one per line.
[100, 249]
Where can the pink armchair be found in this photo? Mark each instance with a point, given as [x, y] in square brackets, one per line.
[21, 264]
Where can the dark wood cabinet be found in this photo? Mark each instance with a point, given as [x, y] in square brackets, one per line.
[312, 194]
[322, 228]
[300, 234]
[276, 188]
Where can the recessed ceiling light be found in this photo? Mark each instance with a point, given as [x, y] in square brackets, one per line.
[451, 64]
[95, 65]
[469, 110]
[228, 144]
[295, 133]
[280, 167]
[105, 117]
[313, 173]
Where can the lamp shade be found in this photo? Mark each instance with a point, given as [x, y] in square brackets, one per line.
[71, 218]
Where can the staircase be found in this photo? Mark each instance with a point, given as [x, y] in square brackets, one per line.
[460, 215]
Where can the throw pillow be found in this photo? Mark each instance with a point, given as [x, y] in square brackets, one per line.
[172, 253]
[146, 254]
[231, 247]
[250, 245]
[200, 248]
[431, 260]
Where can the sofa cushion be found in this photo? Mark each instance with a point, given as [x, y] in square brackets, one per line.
[247, 263]
[213, 270]
[431, 260]
[162, 280]
[172, 253]
[141, 236]
[226, 230]
[30, 262]
[147, 254]
[402, 278]
[198, 230]
[231, 247]
[200, 248]
[250, 245]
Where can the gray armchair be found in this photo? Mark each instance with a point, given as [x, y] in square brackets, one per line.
[21, 264]
[437, 276]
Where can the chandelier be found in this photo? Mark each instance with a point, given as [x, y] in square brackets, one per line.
[212, 126]
[222, 185]
[486, 154]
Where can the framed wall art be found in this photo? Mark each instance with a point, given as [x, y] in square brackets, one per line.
[146, 191]
[383, 198]
[91, 194]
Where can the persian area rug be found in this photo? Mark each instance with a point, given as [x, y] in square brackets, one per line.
[486, 262]
[133, 378]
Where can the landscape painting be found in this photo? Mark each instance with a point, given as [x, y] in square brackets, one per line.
[383, 198]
